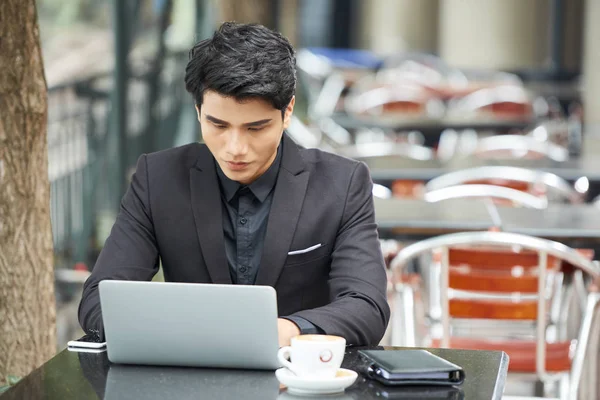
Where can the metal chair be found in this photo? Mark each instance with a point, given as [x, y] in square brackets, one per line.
[401, 100]
[378, 149]
[497, 102]
[517, 146]
[426, 70]
[556, 188]
[303, 135]
[523, 315]
[326, 74]
[515, 197]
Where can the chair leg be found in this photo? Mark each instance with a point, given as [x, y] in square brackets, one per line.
[539, 388]
[580, 289]
[563, 387]
[557, 299]
[582, 344]
[403, 329]
[592, 363]
[435, 298]
[397, 337]
[408, 300]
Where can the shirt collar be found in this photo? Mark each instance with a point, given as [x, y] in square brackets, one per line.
[260, 187]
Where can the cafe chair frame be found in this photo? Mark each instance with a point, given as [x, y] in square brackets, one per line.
[493, 192]
[519, 146]
[303, 135]
[414, 102]
[483, 100]
[556, 185]
[381, 149]
[544, 249]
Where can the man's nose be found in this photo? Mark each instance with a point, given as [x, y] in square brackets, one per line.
[237, 144]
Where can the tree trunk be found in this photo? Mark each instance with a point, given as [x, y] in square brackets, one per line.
[27, 304]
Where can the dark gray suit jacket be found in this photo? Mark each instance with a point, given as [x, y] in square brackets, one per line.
[172, 210]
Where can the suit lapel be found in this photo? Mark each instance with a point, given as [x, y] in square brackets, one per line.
[206, 207]
[288, 198]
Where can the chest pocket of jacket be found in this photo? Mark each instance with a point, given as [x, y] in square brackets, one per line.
[300, 257]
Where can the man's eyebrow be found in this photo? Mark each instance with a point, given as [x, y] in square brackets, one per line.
[215, 120]
[249, 124]
[257, 123]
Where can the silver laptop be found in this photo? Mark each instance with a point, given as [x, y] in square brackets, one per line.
[187, 324]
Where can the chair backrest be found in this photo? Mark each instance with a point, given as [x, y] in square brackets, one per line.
[325, 74]
[532, 307]
[378, 149]
[425, 70]
[552, 183]
[326, 102]
[303, 135]
[518, 146]
[400, 99]
[494, 270]
[510, 101]
[381, 191]
[493, 192]
[408, 188]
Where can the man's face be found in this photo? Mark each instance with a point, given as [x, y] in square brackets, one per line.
[242, 136]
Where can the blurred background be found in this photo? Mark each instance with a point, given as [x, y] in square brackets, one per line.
[417, 79]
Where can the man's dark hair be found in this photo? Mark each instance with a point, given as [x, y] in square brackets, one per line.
[243, 61]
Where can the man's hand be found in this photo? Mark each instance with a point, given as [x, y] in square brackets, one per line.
[287, 330]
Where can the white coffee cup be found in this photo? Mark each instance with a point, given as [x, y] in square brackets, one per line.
[314, 356]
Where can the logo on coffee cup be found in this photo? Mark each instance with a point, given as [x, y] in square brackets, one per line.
[325, 356]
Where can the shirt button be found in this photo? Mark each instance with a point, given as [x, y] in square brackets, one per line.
[243, 269]
[243, 221]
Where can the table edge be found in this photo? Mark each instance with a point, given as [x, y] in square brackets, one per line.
[502, 376]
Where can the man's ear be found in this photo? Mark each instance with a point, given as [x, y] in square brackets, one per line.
[289, 110]
[198, 112]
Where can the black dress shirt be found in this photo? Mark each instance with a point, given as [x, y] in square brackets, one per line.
[245, 216]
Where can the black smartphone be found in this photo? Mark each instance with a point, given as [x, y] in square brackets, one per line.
[87, 341]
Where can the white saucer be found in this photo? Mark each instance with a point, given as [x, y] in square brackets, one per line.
[297, 385]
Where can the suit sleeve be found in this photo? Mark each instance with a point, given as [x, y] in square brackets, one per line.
[358, 308]
[306, 327]
[130, 252]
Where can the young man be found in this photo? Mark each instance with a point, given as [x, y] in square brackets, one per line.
[250, 206]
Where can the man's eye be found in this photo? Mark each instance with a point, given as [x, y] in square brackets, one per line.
[220, 126]
[256, 129]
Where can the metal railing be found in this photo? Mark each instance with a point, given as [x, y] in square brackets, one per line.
[83, 182]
